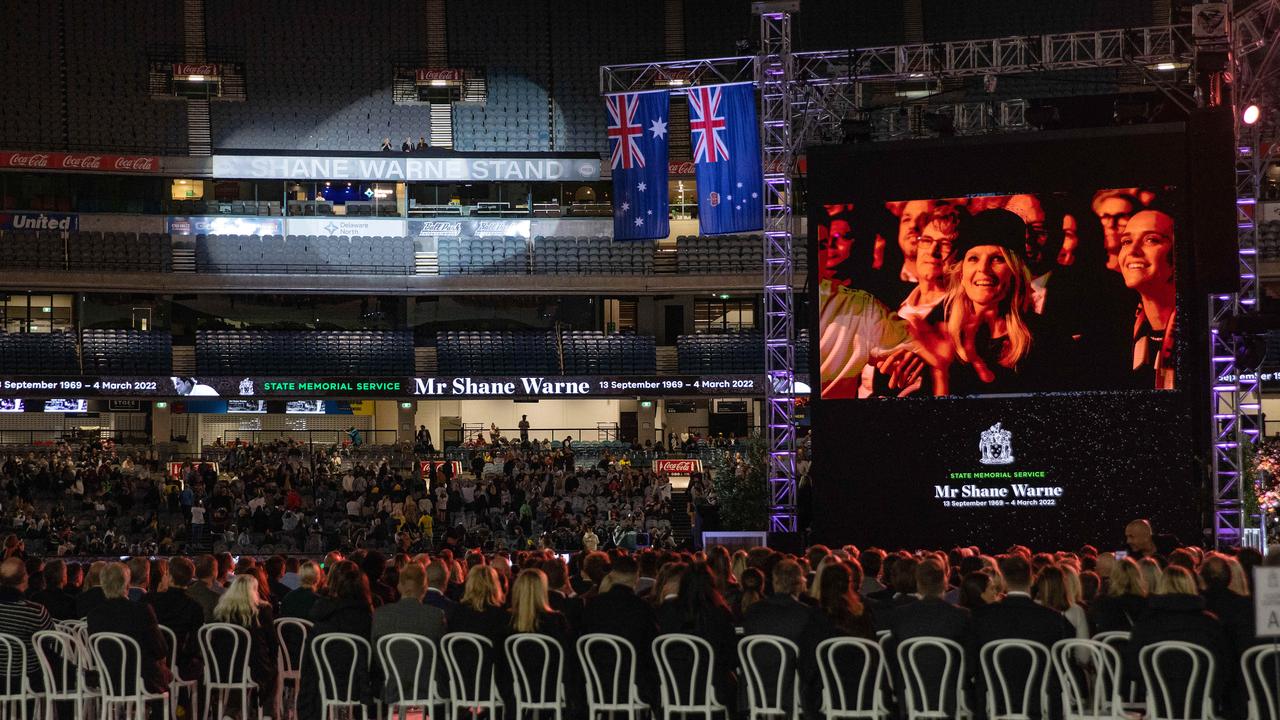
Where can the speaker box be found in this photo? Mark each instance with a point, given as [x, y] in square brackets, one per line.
[1211, 193]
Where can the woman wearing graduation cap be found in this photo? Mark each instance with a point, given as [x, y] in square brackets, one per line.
[986, 344]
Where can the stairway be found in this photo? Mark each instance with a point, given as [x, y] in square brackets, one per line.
[668, 360]
[199, 128]
[681, 523]
[184, 360]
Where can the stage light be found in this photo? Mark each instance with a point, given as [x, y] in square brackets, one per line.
[1251, 114]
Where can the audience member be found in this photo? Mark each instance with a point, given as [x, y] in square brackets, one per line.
[118, 614]
[20, 617]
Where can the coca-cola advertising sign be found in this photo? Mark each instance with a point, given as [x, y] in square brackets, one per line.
[428, 75]
[672, 466]
[93, 162]
[680, 167]
[425, 465]
[208, 70]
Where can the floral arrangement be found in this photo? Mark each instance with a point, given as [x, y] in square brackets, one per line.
[1266, 477]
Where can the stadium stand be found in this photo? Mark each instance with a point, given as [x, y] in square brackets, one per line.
[720, 254]
[126, 352]
[734, 352]
[591, 352]
[32, 73]
[330, 95]
[276, 254]
[497, 352]
[106, 54]
[342, 352]
[508, 41]
[39, 353]
[558, 255]
[31, 250]
[483, 256]
[1269, 240]
[85, 251]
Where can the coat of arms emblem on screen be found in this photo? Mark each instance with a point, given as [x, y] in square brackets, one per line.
[996, 446]
[246, 386]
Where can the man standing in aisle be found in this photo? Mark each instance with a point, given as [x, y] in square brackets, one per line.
[524, 429]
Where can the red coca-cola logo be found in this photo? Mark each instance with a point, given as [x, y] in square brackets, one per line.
[676, 167]
[678, 467]
[83, 162]
[209, 69]
[28, 160]
[135, 163]
[429, 74]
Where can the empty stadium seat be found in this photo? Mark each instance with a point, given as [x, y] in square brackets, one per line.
[285, 352]
[591, 352]
[126, 352]
[497, 352]
[720, 254]
[733, 353]
[304, 254]
[39, 354]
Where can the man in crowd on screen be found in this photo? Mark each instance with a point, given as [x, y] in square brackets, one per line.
[1113, 208]
[1146, 264]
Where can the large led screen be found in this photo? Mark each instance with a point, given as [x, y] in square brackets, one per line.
[1007, 340]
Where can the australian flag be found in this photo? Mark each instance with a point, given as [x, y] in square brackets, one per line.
[638, 157]
[726, 149]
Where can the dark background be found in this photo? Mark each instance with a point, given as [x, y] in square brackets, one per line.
[1119, 455]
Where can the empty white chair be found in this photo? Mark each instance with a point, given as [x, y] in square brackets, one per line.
[853, 675]
[1259, 667]
[291, 637]
[409, 665]
[342, 666]
[537, 673]
[931, 695]
[1089, 677]
[15, 690]
[63, 673]
[770, 666]
[119, 660]
[1188, 696]
[686, 671]
[609, 664]
[1016, 673]
[179, 683]
[225, 649]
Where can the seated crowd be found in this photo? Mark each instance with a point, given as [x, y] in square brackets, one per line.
[962, 596]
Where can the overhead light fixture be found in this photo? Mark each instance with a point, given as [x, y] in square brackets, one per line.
[439, 83]
[677, 82]
[1251, 115]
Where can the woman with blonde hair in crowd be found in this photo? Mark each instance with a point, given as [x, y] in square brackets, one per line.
[91, 595]
[481, 608]
[1177, 612]
[665, 587]
[1124, 601]
[1151, 573]
[242, 604]
[531, 611]
[1052, 590]
[297, 603]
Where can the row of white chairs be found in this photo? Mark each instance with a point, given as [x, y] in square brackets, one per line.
[855, 680]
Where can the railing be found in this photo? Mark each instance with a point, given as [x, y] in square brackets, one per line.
[600, 433]
[44, 437]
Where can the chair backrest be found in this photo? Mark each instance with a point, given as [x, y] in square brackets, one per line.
[609, 664]
[469, 657]
[537, 668]
[226, 648]
[171, 640]
[1118, 640]
[409, 665]
[1016, 673]
[770, 663]
[342, 666]
[932, 673]
[1259, 665]
[120, 660]
[686, 669]
[291, 637]
[1076, 662]
[852, 672]
[1179, 680]
[13, 665]
[59, 656]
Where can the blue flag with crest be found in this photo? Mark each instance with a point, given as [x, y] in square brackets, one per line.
[726, 151]
[638, 158]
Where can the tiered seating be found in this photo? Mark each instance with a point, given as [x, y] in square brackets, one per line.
[31, 250]
[134, 252]
[106, 46]
[591, 352]
[715, 254]
[556, 255]
[283, 352]
[508, 40]
[483, 256]
[304, 254]
[32, 74]
[1269, 240]
[739, 352]
[318, 104]
[39, 354]
[126, 352]
[496, 352]
[597, 34]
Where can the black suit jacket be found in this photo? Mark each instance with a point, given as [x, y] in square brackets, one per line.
[138, 621]
[1017, 617]
[438, 599]
[1182, 617]
[184, 616]
[619, 612]
[88, 600]
[60, 605]
[570, 607]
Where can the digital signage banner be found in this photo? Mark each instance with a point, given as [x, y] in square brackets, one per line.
[1006, 339]
[235, 386]
[405, 169]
